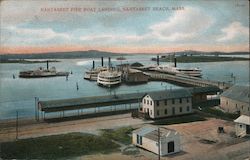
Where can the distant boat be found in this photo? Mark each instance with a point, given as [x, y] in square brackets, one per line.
[121, 58]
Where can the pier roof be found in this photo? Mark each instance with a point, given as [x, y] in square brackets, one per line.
[115, 99]
[239, 93]
[88, 102]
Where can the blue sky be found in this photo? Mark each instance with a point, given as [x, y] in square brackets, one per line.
[217, 25]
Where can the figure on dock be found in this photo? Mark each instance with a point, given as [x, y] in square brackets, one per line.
[67, 77]
[14, 77]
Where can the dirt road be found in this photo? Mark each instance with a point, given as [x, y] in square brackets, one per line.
[91, 125]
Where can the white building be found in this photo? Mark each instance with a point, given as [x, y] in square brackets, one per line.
[167, 103]
[242, 125]
[236, 99]
[147, 138]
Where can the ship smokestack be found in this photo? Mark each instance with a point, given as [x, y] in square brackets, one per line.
[175, 64]
[102, 61]
[93, 64]
[47, 65]
[157, 60]
[109, 62]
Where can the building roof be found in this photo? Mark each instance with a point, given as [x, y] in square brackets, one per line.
[208, 89]
[243, 119]
[169, 94]
[239, 93]
[151, 132]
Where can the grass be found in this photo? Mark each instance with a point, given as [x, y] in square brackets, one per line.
[179, 119]
[121, 134]
[191, 59]
[212, 112]
[57, 146]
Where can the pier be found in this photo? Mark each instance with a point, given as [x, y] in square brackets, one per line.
[98, 102]
[187, 80]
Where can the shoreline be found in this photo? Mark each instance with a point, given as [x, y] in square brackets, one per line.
[24, 61]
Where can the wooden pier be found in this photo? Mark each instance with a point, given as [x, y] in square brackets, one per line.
[187, 80]
[98, 102]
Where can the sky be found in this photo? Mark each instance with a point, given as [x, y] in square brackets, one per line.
[131, 26]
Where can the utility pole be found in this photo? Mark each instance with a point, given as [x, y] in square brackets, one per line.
[16, 125]
[159, 149]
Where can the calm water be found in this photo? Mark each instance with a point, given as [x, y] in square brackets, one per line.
[18, 94]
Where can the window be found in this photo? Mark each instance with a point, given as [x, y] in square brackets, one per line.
[188, 109]
[151, 103]
[173, 111]
[187, 100]
[240, 126]
[147, 101]
[157, 103]
[242, 107]
[158, 113]
[180, 100]
[166, 102]
[180, 109]
[166, 111]
[144, 101]
[227, 103]
[150, 112]
[173, 102]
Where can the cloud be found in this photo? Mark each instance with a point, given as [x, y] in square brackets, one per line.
[15, 35]
[183, 25]
[232, 32]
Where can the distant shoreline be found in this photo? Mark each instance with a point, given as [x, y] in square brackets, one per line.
[24, 61]
[193, 59]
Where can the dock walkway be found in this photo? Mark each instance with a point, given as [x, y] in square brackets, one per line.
[187, 80]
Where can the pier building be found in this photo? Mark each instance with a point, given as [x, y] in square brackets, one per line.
[236, 100]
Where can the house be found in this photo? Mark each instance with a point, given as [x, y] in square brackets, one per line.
[242, 125]
[167, 103]
[236, 100]
[148, 137]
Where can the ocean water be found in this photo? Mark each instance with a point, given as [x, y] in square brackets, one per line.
[19, 94]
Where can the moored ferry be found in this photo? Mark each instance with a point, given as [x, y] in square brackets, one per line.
[194, 72]
[109, 78]
[93, 73]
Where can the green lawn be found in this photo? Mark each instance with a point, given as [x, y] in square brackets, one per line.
[179, 119]
[57, 146]
[121, 134]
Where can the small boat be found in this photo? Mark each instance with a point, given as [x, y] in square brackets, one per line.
[109, 78]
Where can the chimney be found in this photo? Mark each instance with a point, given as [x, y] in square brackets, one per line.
[109, 62]
[175, 65]
[93, 65]
[47, 65]
[102, 61]
[158, 60]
